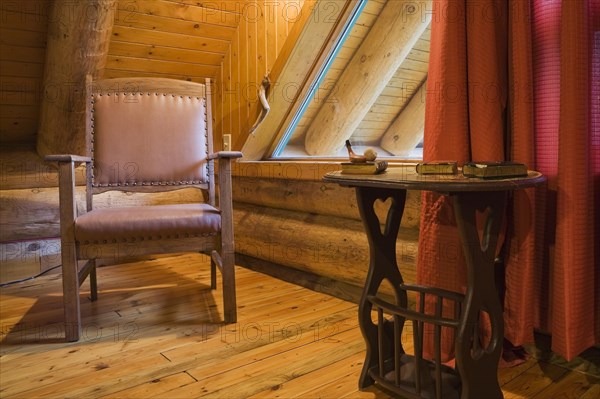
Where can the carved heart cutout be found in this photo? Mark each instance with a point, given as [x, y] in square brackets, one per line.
[382, 209]
[484, 220]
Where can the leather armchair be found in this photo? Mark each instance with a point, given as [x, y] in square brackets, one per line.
[146, 134]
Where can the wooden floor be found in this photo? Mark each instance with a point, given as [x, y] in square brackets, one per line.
[155, 332]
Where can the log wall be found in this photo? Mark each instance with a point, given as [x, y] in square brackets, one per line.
[29, 221]
[284, 216]
[313, 227]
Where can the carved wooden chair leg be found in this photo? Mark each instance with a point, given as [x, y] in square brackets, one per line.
[213, 274]
[229, 300]
[71, 294]
[93, 282]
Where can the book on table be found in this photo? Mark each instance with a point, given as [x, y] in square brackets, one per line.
[494, 170]
[437, 168]
[364, 168]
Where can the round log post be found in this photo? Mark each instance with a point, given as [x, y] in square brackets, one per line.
[403, 135]
[78, 38]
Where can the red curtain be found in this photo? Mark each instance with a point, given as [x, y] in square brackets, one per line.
[519, 80]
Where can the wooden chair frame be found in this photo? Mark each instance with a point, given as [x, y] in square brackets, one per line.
[220, 247]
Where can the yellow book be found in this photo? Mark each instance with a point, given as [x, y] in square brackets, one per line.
[364, 168]
[491, 170]
[437, 168]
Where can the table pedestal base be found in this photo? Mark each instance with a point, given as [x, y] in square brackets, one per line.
[386, 362]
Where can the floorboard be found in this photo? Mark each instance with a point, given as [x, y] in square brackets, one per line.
[156, 332]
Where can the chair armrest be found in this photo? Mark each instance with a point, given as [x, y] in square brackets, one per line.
[225, 154]
[67, 158]
[226, 200]
[66, 191]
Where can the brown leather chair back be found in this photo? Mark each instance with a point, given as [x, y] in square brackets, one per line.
[144, 135]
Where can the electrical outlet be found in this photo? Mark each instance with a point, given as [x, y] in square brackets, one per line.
[227, 142]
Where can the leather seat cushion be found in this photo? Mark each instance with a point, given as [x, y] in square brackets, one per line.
[147, 223]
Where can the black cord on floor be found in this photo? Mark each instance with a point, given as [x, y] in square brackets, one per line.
[28, 278]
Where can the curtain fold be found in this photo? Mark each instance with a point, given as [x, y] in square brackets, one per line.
[519, 80]
[464, 120]
[576, 296]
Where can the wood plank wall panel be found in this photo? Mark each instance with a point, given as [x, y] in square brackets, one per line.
[176, 39]
[262, 30]
[23, 30]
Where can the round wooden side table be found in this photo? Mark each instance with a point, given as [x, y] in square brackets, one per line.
[386, 363]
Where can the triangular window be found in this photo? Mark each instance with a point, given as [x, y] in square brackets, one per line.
[370, 89]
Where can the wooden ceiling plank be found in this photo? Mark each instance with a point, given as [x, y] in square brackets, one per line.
[373, 8]
[422, 45]
[231, 6]
[152, 52]
[171, 25]
[383, 109]
[16, 136]
[25, 22]
[215, 15]
[20, 91]
[402, 136]
[110, 73]
[405, 78]
[27, 111]
[385, 48]
[362, 132]
[167, 39]
[413, 65]
[375, 124]
[18, 37]
[21, 69]
[21, 125]
[167, 67]
[419, 55]
[22, 54]
[367, 137]
[282, 31]
[271, 33]
[385, 99]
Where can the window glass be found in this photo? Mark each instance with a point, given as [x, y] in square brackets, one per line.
[386, 127]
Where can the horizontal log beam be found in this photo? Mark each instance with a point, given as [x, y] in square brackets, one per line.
[23, 259]
[27, 214]
[333, 247]
[315, 198]
[24, 168]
